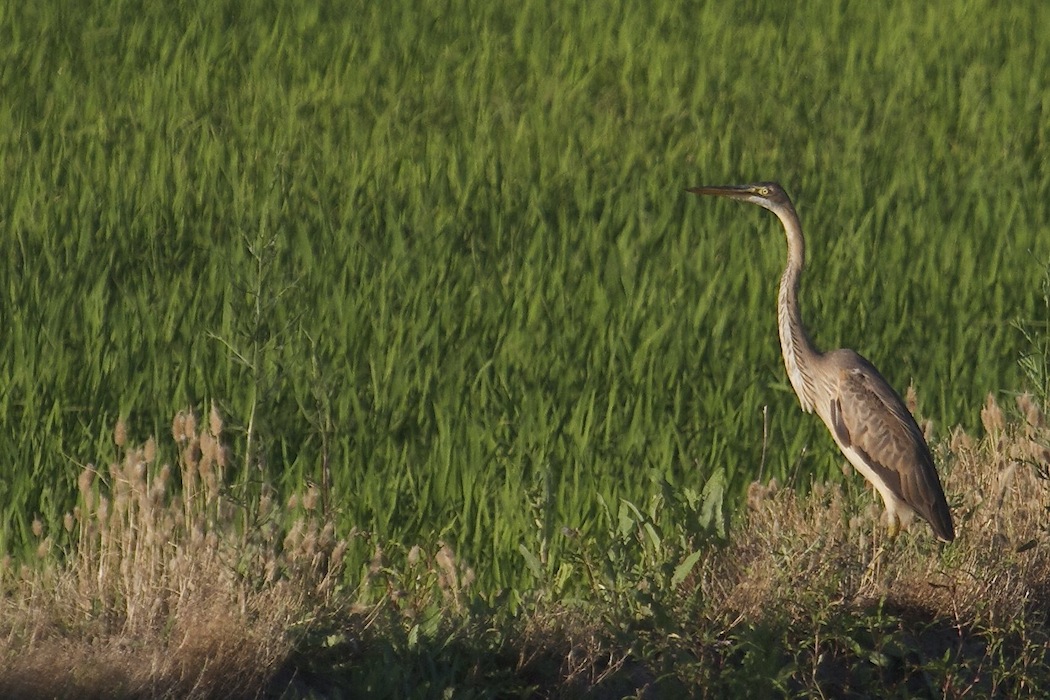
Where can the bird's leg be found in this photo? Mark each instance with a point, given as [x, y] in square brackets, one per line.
[894, 527]
[873, 573]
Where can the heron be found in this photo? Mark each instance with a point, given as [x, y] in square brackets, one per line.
[865, 416]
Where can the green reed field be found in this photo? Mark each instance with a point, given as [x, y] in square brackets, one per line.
[437, 257]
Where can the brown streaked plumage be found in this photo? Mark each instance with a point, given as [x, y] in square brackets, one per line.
[866, 417]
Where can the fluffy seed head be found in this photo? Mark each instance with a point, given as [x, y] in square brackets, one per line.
[310, 499]
[215, 421]
[992, 416]
[910, 399]
[178, 427]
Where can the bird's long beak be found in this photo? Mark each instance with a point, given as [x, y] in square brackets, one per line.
[734, 191]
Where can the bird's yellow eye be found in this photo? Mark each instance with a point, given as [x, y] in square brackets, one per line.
[762, 191]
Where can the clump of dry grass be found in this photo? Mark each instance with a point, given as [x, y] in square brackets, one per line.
[171, 587]
[819, 564]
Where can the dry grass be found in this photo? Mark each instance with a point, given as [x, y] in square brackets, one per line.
[165, 592]
[967, 619]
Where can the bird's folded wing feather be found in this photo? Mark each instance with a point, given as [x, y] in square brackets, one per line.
[874, 419]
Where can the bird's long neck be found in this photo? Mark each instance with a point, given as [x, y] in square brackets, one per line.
[800, 355]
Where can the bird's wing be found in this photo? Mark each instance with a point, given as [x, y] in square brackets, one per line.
[869, 416]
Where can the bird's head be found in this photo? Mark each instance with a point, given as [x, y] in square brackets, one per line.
[769, 195]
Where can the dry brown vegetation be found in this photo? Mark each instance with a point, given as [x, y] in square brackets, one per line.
[915, 616]
[167, 586]
[165, 590]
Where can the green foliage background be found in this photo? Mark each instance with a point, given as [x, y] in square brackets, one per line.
[443, 247]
